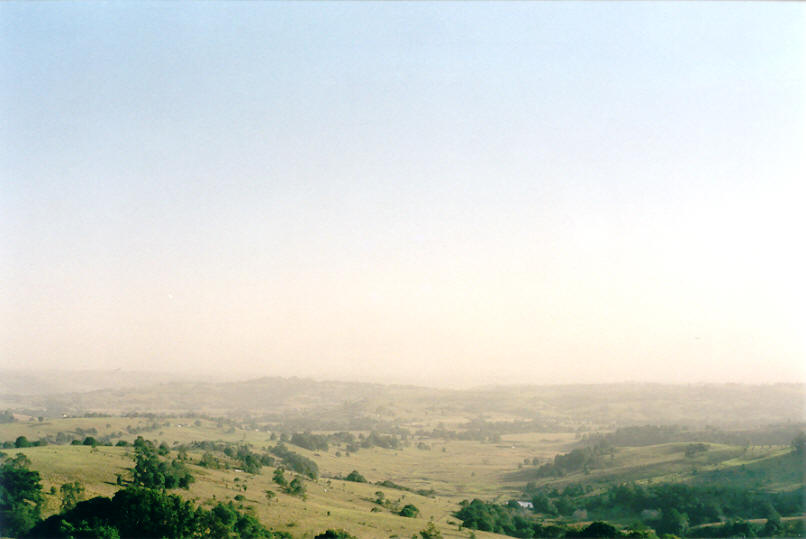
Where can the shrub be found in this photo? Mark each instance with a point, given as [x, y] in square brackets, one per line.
[355, 477]
[409, 510]
[334, 534]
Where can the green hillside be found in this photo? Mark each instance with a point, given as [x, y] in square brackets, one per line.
[464, 471]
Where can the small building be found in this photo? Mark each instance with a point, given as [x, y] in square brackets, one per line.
[526, 505]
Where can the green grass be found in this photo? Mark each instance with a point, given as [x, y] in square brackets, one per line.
[668, 463]
[462, 470]
[453, 469]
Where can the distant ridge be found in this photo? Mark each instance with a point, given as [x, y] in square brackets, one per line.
[49, 382]
[631, 403]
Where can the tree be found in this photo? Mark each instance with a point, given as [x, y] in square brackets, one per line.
[146, 471]
[674, 522]
[355, 477]
[772, 528]
[774, 525]
[409, 510]
[22, 441]
[296, 462]
[20, 497]
[542, 504]
[693, 449]
[430, 532]
[564, 505]
[279, 477]
[20, 460]
[140, 512]
[334, 534]
[150, 472]
[209, 461]
[799, 444]
[296, 487]
[738, 528]
[600, 529]
[71, 494]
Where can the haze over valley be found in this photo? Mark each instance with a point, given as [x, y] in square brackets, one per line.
[402, 270]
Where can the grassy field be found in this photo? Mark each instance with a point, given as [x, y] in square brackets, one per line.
[328, 503]
[667, 463]
[453, 469]
[451, 446]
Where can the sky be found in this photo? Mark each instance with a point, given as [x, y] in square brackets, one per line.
[448, 194]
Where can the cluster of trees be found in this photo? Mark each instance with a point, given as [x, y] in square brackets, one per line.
[421, 491]
[696, 504]
[660, 434]
[21, 496]
[22, 442]
[139, 510]
[481, 430]
[580, 459]
[351, 442]
[409, 510]
[295, 487]
[554, 502]
[670, 507]
[692, 450]
[242, 454]
[208, 460]
[783, 469]
[71, 494]
[150, 471]
[250, 461]
[773, 527]
[296, 462]
[509, 520]
[799, 444]
[60, 438]
[332, 421]
[142, 509]
[148, 427]
[312, 442]
[78, 437]
[430, 532]
[356, 477]
[334, 534]
[639, 435]
[142, 512]
[375, 439]
[513, 521]
[81, 436]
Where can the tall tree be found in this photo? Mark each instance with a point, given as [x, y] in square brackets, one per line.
[20, 497]
[71, 494]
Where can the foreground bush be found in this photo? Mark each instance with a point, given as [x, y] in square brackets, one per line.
[140, 512]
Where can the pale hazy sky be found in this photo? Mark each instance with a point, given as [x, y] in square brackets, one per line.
[440, 193]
